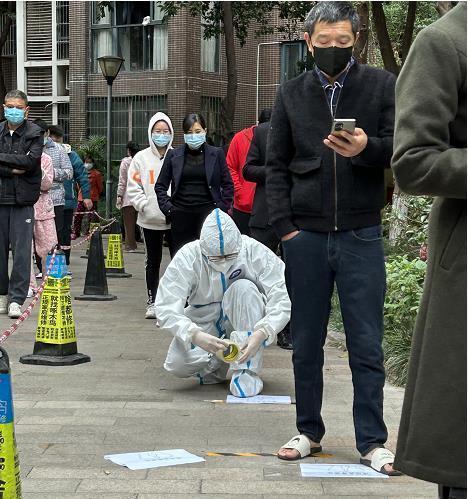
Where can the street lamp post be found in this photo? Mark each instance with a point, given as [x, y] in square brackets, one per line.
[110, 67]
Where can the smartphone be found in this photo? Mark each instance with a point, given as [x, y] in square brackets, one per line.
[343, 124]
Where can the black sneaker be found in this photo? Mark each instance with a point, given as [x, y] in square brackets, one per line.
[284, 340]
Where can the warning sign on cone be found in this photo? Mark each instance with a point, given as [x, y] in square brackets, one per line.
[55, 334]
[114, 261]
[10, 483]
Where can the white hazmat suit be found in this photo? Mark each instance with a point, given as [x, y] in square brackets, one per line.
[231, 298]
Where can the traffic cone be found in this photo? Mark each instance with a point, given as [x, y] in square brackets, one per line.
[55, 343]
[114, 261]
[92, 226]
[95, 287]
[10, 482]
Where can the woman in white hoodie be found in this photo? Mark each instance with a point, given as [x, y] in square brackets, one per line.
[142, 174]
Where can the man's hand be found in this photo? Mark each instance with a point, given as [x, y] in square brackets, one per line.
[88, 204]
[289, 236]
[250, 348]
[17, 172]
[347, 144]
[208, 342]
[118, 203]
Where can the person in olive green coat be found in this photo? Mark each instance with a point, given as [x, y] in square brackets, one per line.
[430, 159]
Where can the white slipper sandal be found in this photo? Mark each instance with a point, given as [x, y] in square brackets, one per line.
[302, 444]
[380, 458]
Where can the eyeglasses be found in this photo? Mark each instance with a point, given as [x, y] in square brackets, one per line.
[223, 258]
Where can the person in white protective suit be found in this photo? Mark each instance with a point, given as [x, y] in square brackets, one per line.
[234, 287]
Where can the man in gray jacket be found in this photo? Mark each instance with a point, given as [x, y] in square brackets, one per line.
[430, 159]
[20, 183]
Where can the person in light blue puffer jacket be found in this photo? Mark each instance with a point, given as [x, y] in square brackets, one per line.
[80, 179]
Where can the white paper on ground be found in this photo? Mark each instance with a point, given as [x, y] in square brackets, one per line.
[339, 471]
[154, 459]
[259, 399]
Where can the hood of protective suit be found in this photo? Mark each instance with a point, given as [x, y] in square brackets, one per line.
[158, 117]
[219, 235]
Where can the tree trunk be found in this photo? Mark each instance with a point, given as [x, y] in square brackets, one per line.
[228, 106]
[399, 216]
[362, 45]
[409, 28]
[383, 38]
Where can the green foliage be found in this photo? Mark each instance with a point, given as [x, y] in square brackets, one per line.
[244, 13]
[410, 223]
[405, 280]
[395, 15]
[95, 147]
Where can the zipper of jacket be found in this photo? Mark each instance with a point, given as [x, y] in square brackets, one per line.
[330, 107]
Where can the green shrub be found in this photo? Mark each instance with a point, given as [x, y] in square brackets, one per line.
[405, 279]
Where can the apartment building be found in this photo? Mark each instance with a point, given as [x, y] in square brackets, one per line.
[169, 66]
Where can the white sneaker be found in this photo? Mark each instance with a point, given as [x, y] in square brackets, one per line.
[150, 312]
[3, 304]
[31, 292]
[14, 310]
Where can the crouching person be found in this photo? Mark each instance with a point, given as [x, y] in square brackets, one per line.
[223, 286]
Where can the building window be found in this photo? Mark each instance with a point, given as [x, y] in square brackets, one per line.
[63, 119]
[211, 110]
[130, 119]
[63, 36]
[121, 31]
[295, 59]
[41, 110]
[9, 48]
[209, 54]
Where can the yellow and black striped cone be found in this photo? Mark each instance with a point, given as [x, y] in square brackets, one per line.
[114, 261]
[55, 343]
[10, 482]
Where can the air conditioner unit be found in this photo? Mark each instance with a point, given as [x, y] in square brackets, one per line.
[67, 79]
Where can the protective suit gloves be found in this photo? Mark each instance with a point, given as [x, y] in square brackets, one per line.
[208, 342]
[251, 346]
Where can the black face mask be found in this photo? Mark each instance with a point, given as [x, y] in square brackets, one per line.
[332, 60]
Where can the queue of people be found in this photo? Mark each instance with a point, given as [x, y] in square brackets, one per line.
[313, 196]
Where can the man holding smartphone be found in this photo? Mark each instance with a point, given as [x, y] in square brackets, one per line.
[325, 192]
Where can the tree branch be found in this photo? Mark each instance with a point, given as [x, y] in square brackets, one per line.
[383, 38]
[409, 28]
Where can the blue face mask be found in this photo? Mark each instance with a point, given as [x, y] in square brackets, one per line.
[161, 139]
[14, 115]
[195, 140]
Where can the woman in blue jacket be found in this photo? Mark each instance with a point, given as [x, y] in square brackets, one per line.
[199, 181]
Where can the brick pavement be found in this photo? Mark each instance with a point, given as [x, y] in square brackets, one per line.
[68, 418]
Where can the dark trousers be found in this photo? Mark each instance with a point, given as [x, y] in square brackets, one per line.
[186, 226]
[59, 220]
[129, 217]
[65, 238]
[266, 236]
[154, 249]
[242, 220]
[16, 231]
[355, 261]
[451, 492]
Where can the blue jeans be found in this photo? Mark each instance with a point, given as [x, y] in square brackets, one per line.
[355, 261]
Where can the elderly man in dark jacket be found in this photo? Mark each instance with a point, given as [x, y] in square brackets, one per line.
[324, 194]
[21, 145]
[430, 159]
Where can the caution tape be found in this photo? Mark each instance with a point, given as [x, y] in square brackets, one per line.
[89, 236]
[27, 313]
[254, 454]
